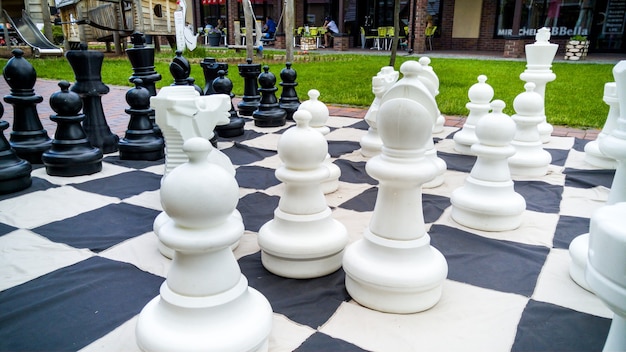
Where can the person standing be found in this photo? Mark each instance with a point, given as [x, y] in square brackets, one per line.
[331, 30]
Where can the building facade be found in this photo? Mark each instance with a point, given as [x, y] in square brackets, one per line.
[485, 25]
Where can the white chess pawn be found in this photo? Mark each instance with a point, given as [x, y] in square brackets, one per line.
[428, 74]
[530, 159]
[205, 303]
[393, 268]
[319, 116]
[539, 57]
[488, 201]
[606, 268]
[412, 87]
[593, 155]
[480, 95]
[302, 240]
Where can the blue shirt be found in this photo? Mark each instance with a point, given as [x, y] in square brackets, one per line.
[271, 26]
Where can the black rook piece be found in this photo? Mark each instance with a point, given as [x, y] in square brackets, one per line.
[289, 97]
[14, 172]
[269, 113]
[87, 66]
[211, 70]
[28, 138]
[251, 98]
[71, 153]
[142, 59]
[140, 141]
[223, 85]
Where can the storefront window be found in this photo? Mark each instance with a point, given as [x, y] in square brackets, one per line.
[566, 18]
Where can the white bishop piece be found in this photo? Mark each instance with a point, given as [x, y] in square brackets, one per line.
[593, 155]
[539, 57]
[613, 146]
[412, 87]
[319, 116]
[371, 144]
[205, 303]
[487, 201]
[530, 158]
[480, 95]
[303, 240]
[393, 268]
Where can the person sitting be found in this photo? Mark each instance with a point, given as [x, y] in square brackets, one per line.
[269, 28]
[331, 30]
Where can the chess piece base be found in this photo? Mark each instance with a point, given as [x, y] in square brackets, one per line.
[239, 319]
[15, 178]
[595, 157]
[150, 150]
[394, 276]
[487, 206]
[83, 162]
[302, 246]
[578, 249]
[371, 144]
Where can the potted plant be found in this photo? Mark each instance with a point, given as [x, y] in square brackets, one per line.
[576, 48]
[214, 36]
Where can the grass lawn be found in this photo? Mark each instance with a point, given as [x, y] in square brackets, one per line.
[573, 99]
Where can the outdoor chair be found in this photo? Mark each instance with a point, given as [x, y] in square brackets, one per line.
[430, 33]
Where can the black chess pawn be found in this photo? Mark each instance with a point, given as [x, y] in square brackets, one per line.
[14, 172]
[29, 139]
[180, 69]
[71, 153]
[223, 85]
[140, 141]
[87, 66]
[250, 101]
[211, 68]
[141, 58]
[269, 113]
[289, 97]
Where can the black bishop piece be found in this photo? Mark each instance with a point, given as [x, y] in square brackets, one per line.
[180, 70]
[269, 113]
[28, 138]
[289, 97]
[71, 153]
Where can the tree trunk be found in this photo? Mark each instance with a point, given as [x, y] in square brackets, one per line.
[396, 30]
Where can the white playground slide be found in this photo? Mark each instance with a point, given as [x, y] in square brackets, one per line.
[31, 35]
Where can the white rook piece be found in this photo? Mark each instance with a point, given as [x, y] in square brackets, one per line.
[488, 201]
[606, 268]
[412, 87]
[613, 146]
[480, 95]
[182, 114]
[303, 240]
[384, 79]
[593, 155]
[530, 159]
[539, 57]
[319, 116]
[205, 303]
[393, 268]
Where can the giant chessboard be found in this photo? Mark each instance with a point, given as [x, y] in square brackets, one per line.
[79, 260]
